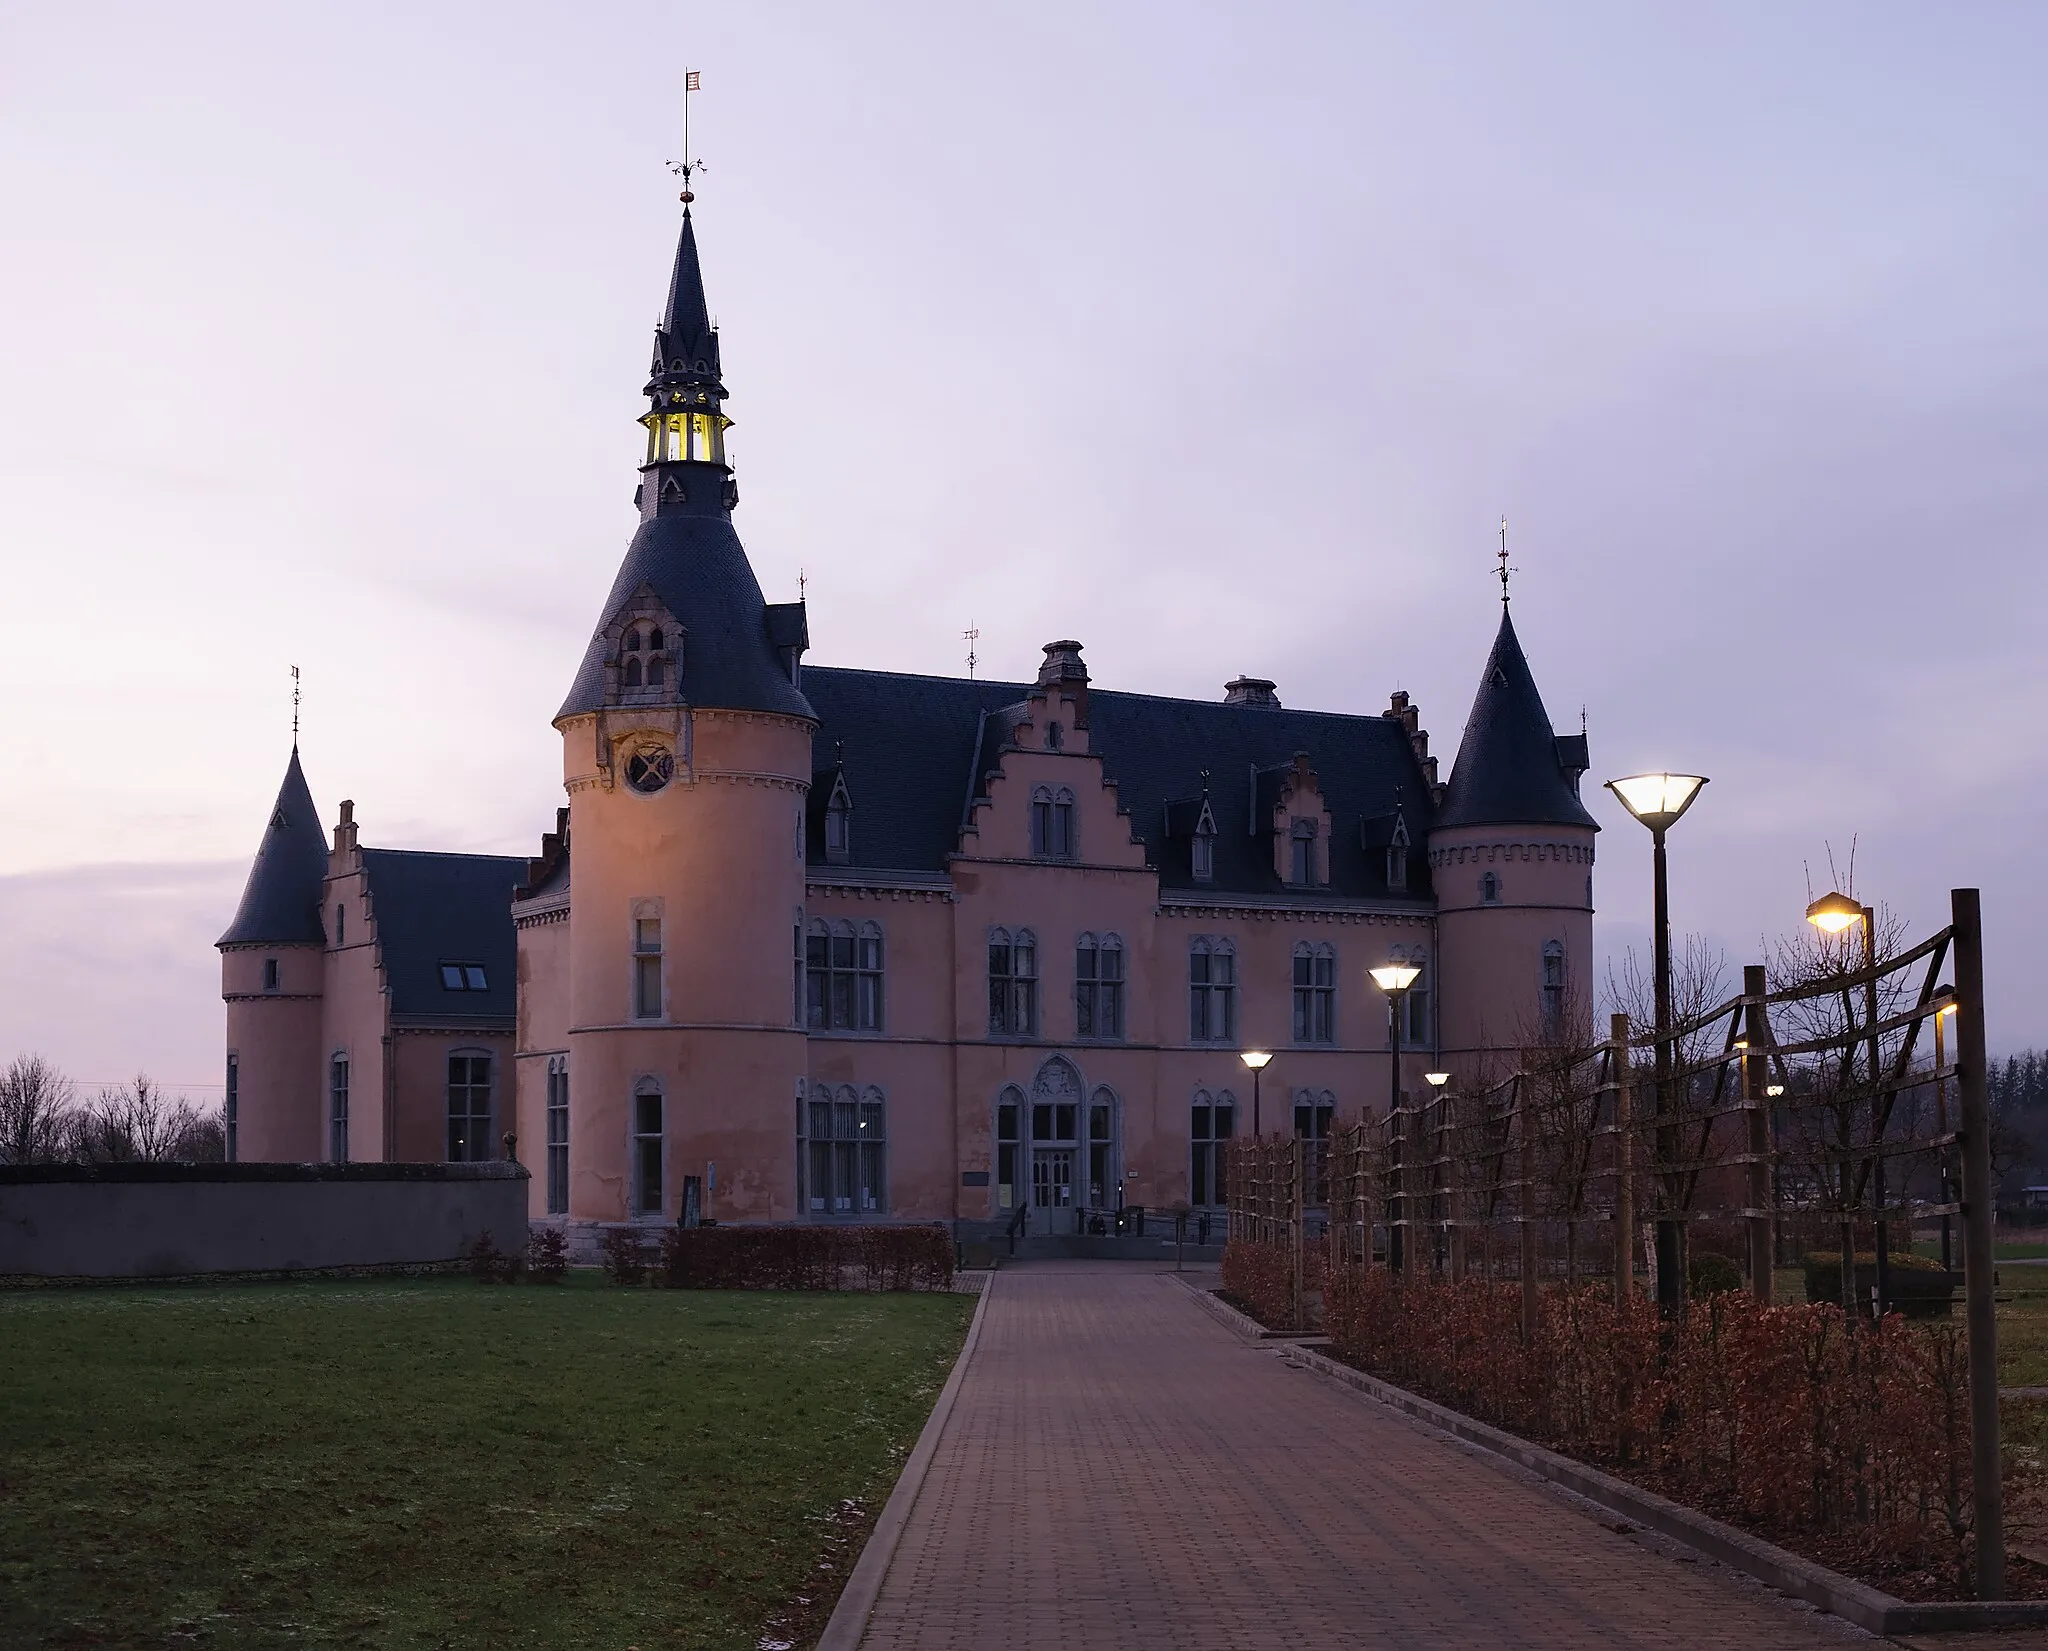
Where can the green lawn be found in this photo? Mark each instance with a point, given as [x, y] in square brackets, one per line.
[2021, 1249]
[435, 1463]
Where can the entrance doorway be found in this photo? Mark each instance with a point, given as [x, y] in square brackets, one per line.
[1059, 1161]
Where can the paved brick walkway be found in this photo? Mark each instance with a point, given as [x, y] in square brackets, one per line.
[1121, 1472]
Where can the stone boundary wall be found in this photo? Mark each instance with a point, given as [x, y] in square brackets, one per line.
[174, 1220]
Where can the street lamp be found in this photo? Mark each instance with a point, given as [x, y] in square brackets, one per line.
[1941, 1119]
[1256, 1059]
[1394, 979]
[1832, 913]
[1660, 801]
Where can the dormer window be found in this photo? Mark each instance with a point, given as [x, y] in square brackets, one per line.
[1205, 853]
[1055, 736]
[839, 824]
[1397, 867]
[1052, 823]
[464, 977]
[1302, 866]
[644, 662]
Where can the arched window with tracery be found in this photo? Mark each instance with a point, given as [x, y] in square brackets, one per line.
[843, 976]
[1099, 986]
[1052, 823]
[1212, 1123]
[1315, 992]
[1212, 989]
[1012, 983]
[646, 662]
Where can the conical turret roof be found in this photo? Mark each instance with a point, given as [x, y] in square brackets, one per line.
[1509, 769]
[281, 901]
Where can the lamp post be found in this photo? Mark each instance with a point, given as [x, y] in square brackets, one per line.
[1394, 979]
[1941, 1123]
[1659, 801]
[1256, 1059]
[1831, 914]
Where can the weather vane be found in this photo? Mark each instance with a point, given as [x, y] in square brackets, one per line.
[684, 167]
[295, 707]
[971, 636]
[1505, 570]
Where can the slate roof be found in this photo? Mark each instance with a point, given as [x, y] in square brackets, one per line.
[432, 908]
[690, 557]
[734, 655]
[1511, 768]
[917, 747]
[281, 901]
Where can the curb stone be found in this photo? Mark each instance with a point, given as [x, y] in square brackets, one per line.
[1845, 1597]
[849, 1619]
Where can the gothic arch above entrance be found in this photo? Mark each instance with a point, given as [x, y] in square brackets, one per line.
[1059, 1151]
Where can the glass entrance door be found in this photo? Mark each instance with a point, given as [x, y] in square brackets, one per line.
[1052, 1178]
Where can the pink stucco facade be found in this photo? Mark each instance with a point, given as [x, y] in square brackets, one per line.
[832, 944]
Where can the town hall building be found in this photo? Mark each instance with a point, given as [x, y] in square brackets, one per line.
[838, 944]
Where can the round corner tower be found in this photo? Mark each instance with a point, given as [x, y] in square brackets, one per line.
[272, 978]
[1511, 859]
[686, 747]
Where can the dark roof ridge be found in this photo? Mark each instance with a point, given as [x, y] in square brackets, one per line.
[1030, 688]
[445, 854]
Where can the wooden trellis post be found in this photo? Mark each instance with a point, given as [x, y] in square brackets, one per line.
[1624, 1162]
[1755, 1068]
[1526, 1129]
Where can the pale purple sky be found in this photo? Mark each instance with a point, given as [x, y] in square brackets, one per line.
[1217, 336]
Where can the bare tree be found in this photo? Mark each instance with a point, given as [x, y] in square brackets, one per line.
[36, 1106]
[136, 1123]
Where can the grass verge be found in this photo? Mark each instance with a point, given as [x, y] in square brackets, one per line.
[431, 1463]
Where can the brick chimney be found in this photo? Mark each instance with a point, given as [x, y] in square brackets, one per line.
[1063, 670]
[1250, 690]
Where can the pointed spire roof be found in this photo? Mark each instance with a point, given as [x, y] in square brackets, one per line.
[281, 901]
[1510, 770]
[685, 342]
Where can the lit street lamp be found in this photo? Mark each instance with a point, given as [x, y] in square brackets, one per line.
[1394, 979]
[1660, 801]
[1256, 1059]
[1941, 1121]
[1832, 913]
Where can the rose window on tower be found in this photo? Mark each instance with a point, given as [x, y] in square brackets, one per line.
[650, 769]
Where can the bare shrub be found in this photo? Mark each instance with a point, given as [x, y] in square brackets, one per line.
[37, 1103]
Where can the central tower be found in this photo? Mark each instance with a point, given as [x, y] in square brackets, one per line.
[686, 746]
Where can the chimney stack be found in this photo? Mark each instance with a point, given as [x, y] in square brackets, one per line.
[1250, 690]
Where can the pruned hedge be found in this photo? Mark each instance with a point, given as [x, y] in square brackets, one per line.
[806, 1258]
[1793, 1419]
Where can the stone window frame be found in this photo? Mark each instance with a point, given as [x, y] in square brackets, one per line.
[1315, 1117]
[469, 1129]
[1212, 992]
[647, 963]
[1304, 866]
[1013, 987]
[1100, 990]
[337, 1107]
[1555, 981]
[1054, 835]
[1206, 1146]
[845, 964]
[556, 1120]
[843, 1152]
[1315, 994]
[647, 1163]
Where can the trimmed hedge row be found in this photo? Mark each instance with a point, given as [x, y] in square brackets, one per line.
[784, 1258]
